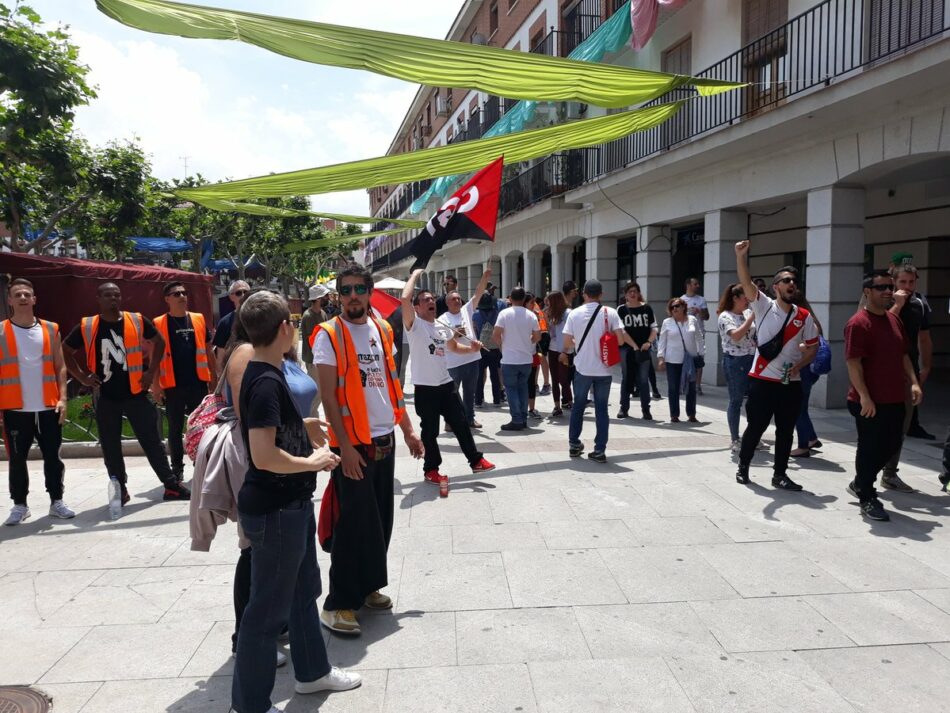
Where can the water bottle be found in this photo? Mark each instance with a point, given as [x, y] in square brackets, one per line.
[786, 372]
[115, 498]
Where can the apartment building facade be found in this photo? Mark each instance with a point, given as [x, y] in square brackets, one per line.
[833, 158]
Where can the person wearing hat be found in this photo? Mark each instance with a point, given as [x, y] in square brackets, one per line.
[312, 316]
[222, 333]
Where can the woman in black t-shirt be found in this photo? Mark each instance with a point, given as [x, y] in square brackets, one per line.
[639, 324]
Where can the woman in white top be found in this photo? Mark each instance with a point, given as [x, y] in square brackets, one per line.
[681, 341]
[737, 335]
[555, 312]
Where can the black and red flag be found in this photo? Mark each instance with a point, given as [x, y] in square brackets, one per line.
[471, 212]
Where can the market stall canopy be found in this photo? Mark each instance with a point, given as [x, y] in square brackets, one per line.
[389, 283]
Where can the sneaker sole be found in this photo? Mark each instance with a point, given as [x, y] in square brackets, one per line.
[897, 488]
[483, 470]
[886, 517]
[345, 632]
[62, 517]
[303, 691]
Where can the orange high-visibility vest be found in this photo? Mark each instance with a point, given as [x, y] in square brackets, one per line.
[166, 374]
[349, 385]
[132, 335]
[542, 322]
[11, 393]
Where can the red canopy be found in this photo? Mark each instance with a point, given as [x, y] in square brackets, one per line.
[66, 287]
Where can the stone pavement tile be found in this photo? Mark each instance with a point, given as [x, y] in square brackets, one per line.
[29, 653]
[935, 553]
[676, 530]
[29, 598]
[27, 548]
[562, 478]
[665, 574]
[156, 695]
[614, 502]
[460, 689]
[884, 618]
[495, 538]
[865, 565]
[559, 578]
[213, 655]
[749, 683]
[768, 624]
[667, 628]
[112, 605]
[566, 535]
[529, 506]
[413, 639]
[669, 500]
[224, 550]
[457, 509]
[519, 636]
[645, 685]
[940, 598]
[69, 697]
[365, 699]
[420, 540]
[757, 527]
[453, 582]
[114, 550]
[910, 679]
[763, 569]
[759, 496]
[849, 523]
[942, 649]
[129, 652]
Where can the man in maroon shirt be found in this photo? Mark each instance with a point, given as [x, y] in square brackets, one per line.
[876, 350]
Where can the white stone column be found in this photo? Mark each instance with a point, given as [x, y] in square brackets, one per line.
[654, 267]
[532, 272]
[724, 228]
[509, 274]
[835, 255]
[602, 266]
[560, 264]
[461, 274]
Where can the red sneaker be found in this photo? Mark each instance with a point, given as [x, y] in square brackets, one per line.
[444, 486]
[483, 466]
[433, 476]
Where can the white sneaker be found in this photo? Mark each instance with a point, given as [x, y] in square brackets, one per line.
[281, 659]
[736, 447]
[19, 513]
[58, 509]
[336, 680]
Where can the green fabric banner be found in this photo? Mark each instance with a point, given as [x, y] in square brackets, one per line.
[275, 212]
[328, 242]
[437, 63]
[440, 161]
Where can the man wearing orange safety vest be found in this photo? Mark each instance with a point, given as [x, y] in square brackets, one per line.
[363, 400]
[32, 400]
[107, 352]
[186, 371]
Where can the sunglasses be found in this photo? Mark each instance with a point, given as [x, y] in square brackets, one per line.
[240, 293]
[679, 306]
[178, 293]
[883, 288]
[785, 281]
[347, 290]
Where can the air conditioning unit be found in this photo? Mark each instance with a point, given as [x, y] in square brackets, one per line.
[443, 106]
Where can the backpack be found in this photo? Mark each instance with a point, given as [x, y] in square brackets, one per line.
[485, 334]
[822, 361]
[203, 416]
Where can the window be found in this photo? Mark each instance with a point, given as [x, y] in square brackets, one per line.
[764, 55]
[493, 18]
[896, 24]
[678, 59]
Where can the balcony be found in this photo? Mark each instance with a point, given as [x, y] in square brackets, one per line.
[829, 41]
[549, 177]
[557, 43]
[579, 24]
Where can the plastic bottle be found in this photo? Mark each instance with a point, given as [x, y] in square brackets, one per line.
[444, 486]
[115, 498]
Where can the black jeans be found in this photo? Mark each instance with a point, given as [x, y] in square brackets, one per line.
[878, 439]
[21, 428]
[433, 403]
[491, 360]
[946, 454]
[768, 399]
[560, 379]
[636, 376]
[361, 536]
[242, 592]
[179, 403]
[285, 584]
[143, 416]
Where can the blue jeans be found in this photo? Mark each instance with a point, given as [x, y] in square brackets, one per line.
[516, 378]
[582, 386]
[674, 373]
[285, 584]
[466, 379]
[736, 369]
[803, 426]
[634, 374]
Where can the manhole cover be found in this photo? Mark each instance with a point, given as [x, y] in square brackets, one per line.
[20, 699]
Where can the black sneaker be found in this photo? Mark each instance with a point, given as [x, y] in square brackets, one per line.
[894, 482]
[575, 451]
[597, 456]
[657, 396]
[944, 479]
[742, 474]
[647, 416]
[920, 432]
[783, 482]
[176, 491]
[853, 490]
[512, 426]
[873, 510]
[622, 413]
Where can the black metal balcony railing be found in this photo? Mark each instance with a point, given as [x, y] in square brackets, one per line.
[832, 39]
[580, 23]
[550, 177]
[491, 111]
[557, 43]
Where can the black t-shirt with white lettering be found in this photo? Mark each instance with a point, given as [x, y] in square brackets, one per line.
[266, 403]
[111, 363]
[638, 321]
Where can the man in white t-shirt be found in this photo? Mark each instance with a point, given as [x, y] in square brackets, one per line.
[518, 332]
[696, 306]
[775, 385]
[590, 372]
[463, 367]
[363, 401]
[32, 400]
[435, 396]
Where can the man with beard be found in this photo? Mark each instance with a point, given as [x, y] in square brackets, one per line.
[879, 367]
[787, 342]
[449, 285]
[363, 401]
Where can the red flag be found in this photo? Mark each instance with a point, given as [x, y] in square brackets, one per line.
[384, 303]
[471, 212]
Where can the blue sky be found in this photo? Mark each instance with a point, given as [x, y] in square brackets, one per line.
[236, 110]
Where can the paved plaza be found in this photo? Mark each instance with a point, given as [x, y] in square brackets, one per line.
[651, 583]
